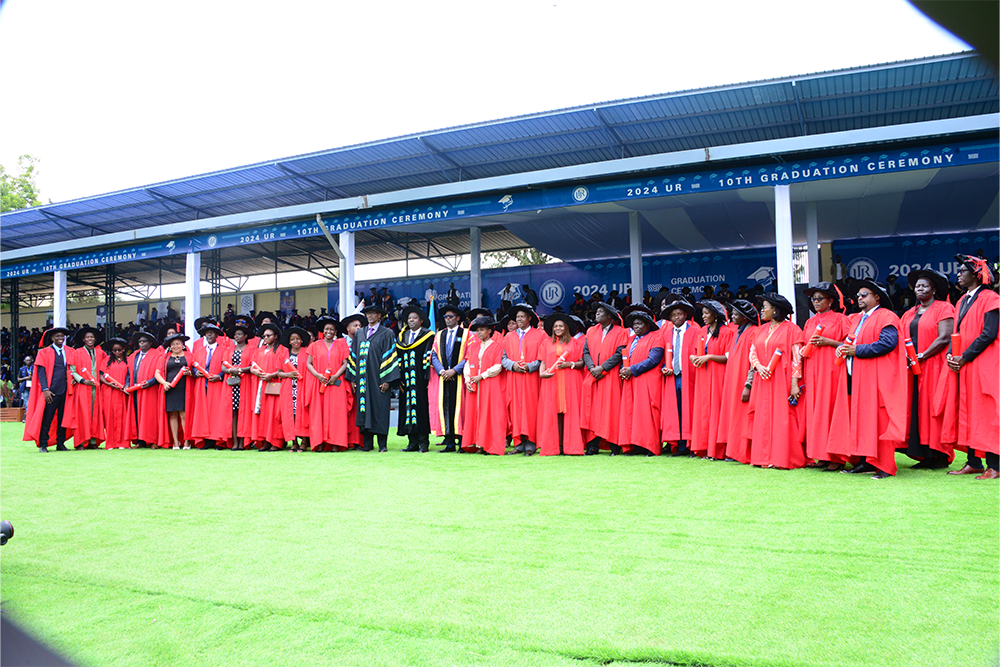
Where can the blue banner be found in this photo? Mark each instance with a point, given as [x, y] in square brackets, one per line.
[556, 284]
[711, 180]
[877, 259]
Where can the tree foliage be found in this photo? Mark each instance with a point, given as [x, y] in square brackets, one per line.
[523, 257]
[19, 190]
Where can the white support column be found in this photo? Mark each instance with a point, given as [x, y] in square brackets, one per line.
[192, 294]
[783, 241]
[59, 299]
[347, 274]
[812, 240]
[635, 255]
[475, 272]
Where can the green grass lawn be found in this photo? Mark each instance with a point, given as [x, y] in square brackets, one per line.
[242, 558]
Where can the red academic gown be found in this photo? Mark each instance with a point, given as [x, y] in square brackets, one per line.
[672, 430]
[147, 419]
[979, 383]
[522, 388]
[777, 427]
[88, 417]
[876, 410]
[114, 404]
[210, 402]
[933, 373]
[248, 391]
[485, 422]
[706, 413]
[597, 395]
[274, 425]
[639, 419]
[734, 418]
[36, 400]
[329, 423]
[823, 380]
[300, 407]
[560, 394]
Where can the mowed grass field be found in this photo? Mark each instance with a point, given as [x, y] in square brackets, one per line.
[242, 558]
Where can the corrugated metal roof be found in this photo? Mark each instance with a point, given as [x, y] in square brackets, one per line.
[905, 92]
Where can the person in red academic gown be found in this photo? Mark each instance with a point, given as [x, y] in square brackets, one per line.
[86, 361]
[294, 390]
[602, 385]
[50, 403]
[485, 425]
[559, 405]
[329, 422]
[520, 360]
[680, 340]
[878, 384]
[929, 326]
[147, 419]
[710, 363]
[823, 377]
[978, 314]
[642, 386]
[240, 357]
[777, 425]
[114, 401]
[272, 423]
[212, 397]
[734, 418]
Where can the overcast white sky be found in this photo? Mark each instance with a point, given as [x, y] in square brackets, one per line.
[112, 94]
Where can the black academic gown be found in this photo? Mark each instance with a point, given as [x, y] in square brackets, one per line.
[373, 361]
[415, 366]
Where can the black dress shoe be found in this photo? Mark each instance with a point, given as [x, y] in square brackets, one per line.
[410, 448]
[590, 451]
[43, 450]
[384, 449]
[881, 475]
[61, 448]
[529, 452]
[860, 468]
[449, 448]
[423, 450]
[682, 452]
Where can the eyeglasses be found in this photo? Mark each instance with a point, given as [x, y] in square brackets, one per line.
[817, 299]
[450, 316]
[864, 295]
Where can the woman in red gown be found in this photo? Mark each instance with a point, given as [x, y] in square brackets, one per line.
[710, 361]
[559, 397]
[777, 424]
[114, 401]
[642, 386]
[326, 363]
[242, 383]
[929, 325]
[294, 390]
[485, 427]
[822, 375]
[272, 422]
[348, 328]
[735, 418]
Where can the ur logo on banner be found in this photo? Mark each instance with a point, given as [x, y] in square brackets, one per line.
[552, 293]
[862, 268]
[580, 194]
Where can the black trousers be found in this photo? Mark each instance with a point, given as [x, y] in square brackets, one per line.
[992, 461]
[54, 409]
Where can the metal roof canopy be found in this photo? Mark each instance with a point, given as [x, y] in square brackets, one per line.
[930, 89]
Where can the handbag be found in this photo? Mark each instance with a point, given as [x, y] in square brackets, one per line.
[272, 388]
[233, 380]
